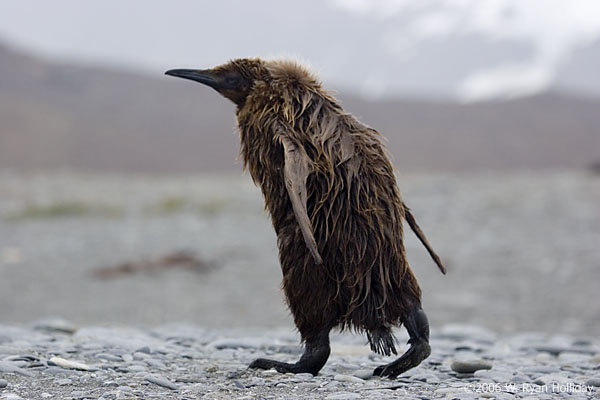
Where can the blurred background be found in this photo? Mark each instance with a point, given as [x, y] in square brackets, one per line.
[122, 199]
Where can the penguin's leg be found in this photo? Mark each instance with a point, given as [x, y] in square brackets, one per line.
[316, 353]
[418, 329]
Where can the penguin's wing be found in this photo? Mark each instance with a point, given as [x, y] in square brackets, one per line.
[296, 170]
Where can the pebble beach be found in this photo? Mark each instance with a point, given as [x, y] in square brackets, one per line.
[56, 360]
[91, 309]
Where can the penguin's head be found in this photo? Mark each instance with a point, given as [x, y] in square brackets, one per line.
[233, 80]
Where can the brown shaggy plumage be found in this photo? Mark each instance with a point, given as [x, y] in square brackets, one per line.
[330, 189]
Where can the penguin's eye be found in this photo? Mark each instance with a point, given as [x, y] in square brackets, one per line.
[232, 81]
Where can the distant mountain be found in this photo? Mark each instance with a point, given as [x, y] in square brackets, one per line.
[79, 117]
[442, 50]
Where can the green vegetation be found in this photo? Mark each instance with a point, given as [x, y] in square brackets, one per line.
[178, 204]
[64, 209]
[171, 205]
[72, 208]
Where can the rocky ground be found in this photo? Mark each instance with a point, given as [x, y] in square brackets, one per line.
[56, 360]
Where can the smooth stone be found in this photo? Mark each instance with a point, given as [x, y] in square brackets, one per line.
[308, 385]
[64, 382]
[155, 363]
[56, 370]
[140, 355]
[7, 366]
[23, 358]
[343, 396]
[304, 376]
[190, 379]
[239, 343]
[144, 349]
[55, 325]
[593, 382]
[268, 372]
[61, 362]
[469, 366]
[363, 374]
[348, 378]
[3, 383]
[10, 396]
[161, 381]
[137, 368]
[108, 357]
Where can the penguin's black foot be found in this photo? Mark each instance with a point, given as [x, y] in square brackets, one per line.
[418, 329]
[263, 363]
[413, 357]
[316, 353]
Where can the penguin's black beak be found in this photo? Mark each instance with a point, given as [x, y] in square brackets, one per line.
[205, 76]
[228, 82]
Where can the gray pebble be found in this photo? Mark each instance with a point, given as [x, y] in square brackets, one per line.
[144, 349]
[7, 366]
[155, 363]
[140, 355]
[344, 396]
[241, 343]
[10, 396]
[137, 368]
[108, 357]
[363, 373]
[56, 371]
[348, 378]
[64, 382]
[593, 382]
[308, 385]
[469, 366]
[55, 325]
[539, 382]
[3, 383]
[304, 376]
[161, 381]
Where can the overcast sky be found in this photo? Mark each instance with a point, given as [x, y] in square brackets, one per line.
[471, 49]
